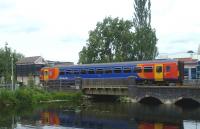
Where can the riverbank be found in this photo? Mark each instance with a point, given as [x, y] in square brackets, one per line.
[30, 96]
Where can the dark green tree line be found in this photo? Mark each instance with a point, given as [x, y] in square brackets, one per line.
[6, 55]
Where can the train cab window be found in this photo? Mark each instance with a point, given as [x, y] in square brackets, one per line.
[99, 71]
[69, 71]
[83, 71]
[127, 70]
[117, 70]
[168, 68]
[62, 73]
[91, 71]
[108, 71]
[148, 69]
[159, 69]
[137, 69]
[76, 72]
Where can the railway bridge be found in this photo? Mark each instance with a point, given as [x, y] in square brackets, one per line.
[128, 87]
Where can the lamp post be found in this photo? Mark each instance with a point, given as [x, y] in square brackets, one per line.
[12, 72]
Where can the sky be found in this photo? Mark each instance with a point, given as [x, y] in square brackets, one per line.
[58, 29]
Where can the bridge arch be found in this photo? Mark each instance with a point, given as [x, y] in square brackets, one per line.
[150, 100]
[187, 102]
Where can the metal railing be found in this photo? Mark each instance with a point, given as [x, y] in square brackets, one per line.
[193, 82]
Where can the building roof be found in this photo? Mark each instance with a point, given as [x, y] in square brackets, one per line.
[32, 60]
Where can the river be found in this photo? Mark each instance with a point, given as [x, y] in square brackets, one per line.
[101, 115]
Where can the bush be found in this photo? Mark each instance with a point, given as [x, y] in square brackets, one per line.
[7, 97]
[29, 96]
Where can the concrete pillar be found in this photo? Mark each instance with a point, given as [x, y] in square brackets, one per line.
[189, 74]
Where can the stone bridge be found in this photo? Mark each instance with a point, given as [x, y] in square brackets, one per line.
[128, 87]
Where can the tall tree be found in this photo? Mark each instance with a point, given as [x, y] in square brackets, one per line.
[145, 36]
[111, 40]
[6, 57]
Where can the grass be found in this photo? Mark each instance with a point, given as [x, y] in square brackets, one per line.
[30, 96]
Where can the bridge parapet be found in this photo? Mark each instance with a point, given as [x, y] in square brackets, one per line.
[166, 94]
[106, 86]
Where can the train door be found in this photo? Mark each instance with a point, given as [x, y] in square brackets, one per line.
[158, 72]
[46, 75]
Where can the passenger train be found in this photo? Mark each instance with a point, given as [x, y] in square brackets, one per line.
[145, 72]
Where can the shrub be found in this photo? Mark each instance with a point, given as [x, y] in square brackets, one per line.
[7, 97]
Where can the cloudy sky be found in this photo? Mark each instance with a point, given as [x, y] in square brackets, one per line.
[58, 29]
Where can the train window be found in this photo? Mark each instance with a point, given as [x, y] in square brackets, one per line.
[83, 71]
[137, 69]
[99, 71]
[69, 72]
[127, 70]
[76, 72]
[167, 68]
[108, 71]
[158, 69]
[62, 73]
[45, 73]
[117, 70]
[50, 73]
[91, 71]
[148, 69]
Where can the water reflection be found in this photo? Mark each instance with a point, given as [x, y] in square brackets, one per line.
[106, 116]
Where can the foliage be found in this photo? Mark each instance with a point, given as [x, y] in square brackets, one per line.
[31, 82]
[110, 41]
[30, 96]
[6, 55]
[116, 40]
[145, 37]
[7, 97]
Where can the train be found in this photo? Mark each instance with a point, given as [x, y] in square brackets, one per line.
[145, 72]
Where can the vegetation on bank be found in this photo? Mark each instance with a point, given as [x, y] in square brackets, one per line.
[30, 96]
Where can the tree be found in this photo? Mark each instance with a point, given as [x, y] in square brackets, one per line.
[6, 55]
[145, 37]
[111, 41]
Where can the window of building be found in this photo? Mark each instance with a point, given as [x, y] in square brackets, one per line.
[91, 71]
[99, 71]
[127, 70]
[158, 69]
[148, 69]
[168, 68]
[137, 69]
[186, 71]
[193, 73]
[198, 68]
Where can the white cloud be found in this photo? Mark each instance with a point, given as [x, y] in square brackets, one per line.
[58, 29]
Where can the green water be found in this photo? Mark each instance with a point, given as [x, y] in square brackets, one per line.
[100, 115]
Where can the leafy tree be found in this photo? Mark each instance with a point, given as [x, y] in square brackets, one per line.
[111, 40]
[145, 36]
[6, 55]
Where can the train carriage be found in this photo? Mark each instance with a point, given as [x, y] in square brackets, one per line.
[145, 72]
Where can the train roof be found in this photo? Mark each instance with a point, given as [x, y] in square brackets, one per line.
[117, 63]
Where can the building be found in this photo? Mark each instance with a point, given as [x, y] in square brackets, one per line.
[190, 68]
[29, 68]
